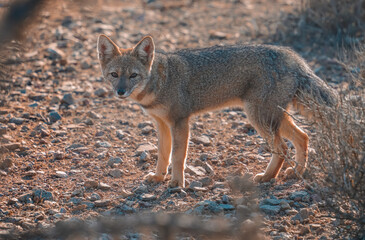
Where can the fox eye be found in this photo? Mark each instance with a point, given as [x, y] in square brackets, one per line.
[133, 75]
[114, 74]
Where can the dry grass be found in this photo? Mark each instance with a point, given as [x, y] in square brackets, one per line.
[337, 168]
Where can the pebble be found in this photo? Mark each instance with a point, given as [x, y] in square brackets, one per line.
[197, 171]
[116, 173]
[102, 203]
[145, 156]
[194, 184]
[104, 144]
[93, 115]
[148, 197]
[54, 116]
[37, 96]
[297, 196]
[270, 209]
[101, 92]
[120, 134]
[104, 186]
[3, 129]
[91, 184]
[58, 155]
[68, 99]
[205, 140]
[42, 194]
[146, 147]
[61, 174]
[17, 121]
[113, 161]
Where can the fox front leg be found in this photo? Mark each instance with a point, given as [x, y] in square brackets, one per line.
[164, 150]
[180, 138]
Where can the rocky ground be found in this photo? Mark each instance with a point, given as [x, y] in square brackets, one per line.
[70, 149]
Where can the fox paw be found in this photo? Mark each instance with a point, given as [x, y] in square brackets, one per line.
[153, 178]
[176, 183]
[261, 177]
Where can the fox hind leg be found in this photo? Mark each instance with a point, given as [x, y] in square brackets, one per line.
[289, 130]
[265, 123]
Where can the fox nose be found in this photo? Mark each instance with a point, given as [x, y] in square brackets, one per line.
[121, 92]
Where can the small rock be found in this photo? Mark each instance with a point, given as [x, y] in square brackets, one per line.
[201, 140]
[55, 100]
[218, 35]
[227, 207]
[101, 92]
[207, 181]
[91, 184]
[68, 99]
[89, 121]
[141, 189]
[17, 121]
[120, 134]
[146, 147]
[269, 209]
[148, 197]
[54, 52]
[297, 196]
[6, 163]
[54, 116]
[94, 197]
[26, 198]
[271, 201]
[61, 174]
[12, 201]
[291, 212]
[194, 184]
[113, 161]
[93, 115]
[145, 156]
[284, 205]
[102, 203]
[37, 96]
[115, 173]
[42, 194]
[105, 144]
[104, 186]
[124, 193]
[58, 155]
[197, 171]
[3, 129]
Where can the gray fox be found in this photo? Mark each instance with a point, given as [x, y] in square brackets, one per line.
[171, 87]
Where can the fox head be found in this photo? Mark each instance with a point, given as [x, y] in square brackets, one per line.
[126, 69]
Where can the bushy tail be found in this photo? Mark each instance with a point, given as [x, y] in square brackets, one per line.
[312, 94]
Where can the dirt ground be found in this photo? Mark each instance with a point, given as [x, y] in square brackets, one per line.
[71, 149]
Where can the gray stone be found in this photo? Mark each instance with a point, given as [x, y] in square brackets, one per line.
[297, 196]
[145, 156]
[227, 207]
[91, 184]
[100, 144]
[104, 186]
[101, 92]
[205, 140]
[270, 209]
[61, 174]
[197, 171]
[17, 121]
[120, 134]
[93, 115]
[54, 116]
[113, 161]
[102, 203]
[146, 147]
[194, 184]
[68, 99]
[148, 197]
[116, 173]
[42, 194]
[270, 201]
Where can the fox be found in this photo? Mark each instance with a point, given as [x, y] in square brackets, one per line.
[266, 81]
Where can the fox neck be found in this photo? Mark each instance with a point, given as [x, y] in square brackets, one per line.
[146, 93]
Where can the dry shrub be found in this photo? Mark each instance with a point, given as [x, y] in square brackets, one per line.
[339, 17]
[337, 169]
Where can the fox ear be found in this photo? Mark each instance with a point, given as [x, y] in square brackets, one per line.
[106, 48]
[145, 51]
